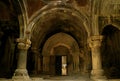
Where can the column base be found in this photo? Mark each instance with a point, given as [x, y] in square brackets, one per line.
[98, 75]
[21, 75]
[99, 78]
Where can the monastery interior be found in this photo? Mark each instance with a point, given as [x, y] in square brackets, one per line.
[59, 38]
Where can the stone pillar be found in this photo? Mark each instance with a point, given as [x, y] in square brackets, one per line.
[95, 44]
[21, 73]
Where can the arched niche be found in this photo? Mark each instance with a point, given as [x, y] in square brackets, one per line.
[57, 46]
[110, 51]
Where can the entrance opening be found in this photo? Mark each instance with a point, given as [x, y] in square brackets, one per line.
[58, 65]
[64, 65]
[61, 57]
[61, 65]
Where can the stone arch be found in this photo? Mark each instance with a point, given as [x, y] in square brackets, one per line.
[60, 44]
[54, 11]
[22, 17]
[110, 51]
[68, 42]
[110, 26]
[47, 22]
[65, 40]
[57, 5]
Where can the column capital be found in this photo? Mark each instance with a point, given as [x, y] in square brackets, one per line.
[23, 43]
[95, 41]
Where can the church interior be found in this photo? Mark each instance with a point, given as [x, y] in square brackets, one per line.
[49, 40]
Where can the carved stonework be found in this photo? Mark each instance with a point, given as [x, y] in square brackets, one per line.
[23, 43]
[21, 72]
[95, 41]
[21, 75]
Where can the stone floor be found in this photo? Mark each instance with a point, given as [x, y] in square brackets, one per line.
[39, 79]
[62, 78]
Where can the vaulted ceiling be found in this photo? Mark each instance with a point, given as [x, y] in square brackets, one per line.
[80, 19]
[52, 21]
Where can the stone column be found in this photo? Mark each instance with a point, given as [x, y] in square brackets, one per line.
[21, 73]
[95, 44]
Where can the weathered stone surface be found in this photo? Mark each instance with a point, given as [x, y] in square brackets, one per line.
[39, 20]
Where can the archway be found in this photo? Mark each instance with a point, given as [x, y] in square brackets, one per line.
[59, 60]
[53, 19]
[111, 51]
[59, 54]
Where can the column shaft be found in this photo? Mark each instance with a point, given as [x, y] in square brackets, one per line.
[95, 44]
[96, 58]
[22, 59]
[21, 73]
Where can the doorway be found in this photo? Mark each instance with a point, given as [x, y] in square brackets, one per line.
[58, 65]
[61, 65]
